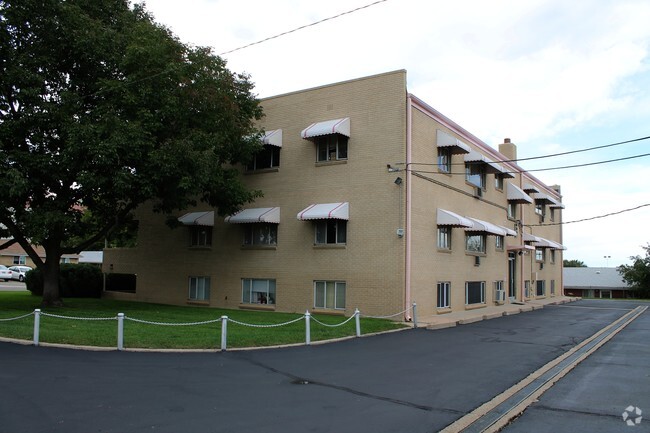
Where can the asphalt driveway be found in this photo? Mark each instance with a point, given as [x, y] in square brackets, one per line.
[410, 381]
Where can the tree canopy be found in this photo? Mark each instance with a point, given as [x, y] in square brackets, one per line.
[637, 275]
[574, 264]
[101, 110]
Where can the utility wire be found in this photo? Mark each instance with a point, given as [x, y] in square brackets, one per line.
[590, 218]
[549, 155]
[303, 27]
[538, 169]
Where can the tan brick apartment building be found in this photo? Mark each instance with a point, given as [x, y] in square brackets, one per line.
[372, 200]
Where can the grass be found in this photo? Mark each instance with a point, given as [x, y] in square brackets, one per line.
[139, 335]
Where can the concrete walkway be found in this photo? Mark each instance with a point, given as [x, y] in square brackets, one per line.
[447, 320]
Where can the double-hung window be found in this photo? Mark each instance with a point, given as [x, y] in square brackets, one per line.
[541, 288]
[329, 294]
[499, 242]
[444, 295]
[540, 255]
[333, 147]
[199, 289]
[444, 238]
[20, 260]
[474, 292]
[258, 291]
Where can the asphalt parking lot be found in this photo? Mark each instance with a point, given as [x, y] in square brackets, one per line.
[410, 381]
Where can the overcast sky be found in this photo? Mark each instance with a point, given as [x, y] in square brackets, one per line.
[553, 76]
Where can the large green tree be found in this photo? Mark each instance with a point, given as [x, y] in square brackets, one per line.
[637, 275]
[574, 263]
[101, 110]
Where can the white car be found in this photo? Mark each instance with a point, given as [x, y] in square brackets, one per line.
[18, 272]
[5, 273]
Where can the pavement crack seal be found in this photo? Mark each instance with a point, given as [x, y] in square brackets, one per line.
[296, 380]
[496, 413]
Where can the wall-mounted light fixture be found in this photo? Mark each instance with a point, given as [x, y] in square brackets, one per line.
[398, 181]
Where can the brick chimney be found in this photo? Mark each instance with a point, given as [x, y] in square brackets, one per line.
[508, 149]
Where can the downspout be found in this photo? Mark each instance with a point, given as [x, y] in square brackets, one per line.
[523, 255]
[407, 273]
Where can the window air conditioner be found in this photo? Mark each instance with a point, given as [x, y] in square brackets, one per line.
[500, 295]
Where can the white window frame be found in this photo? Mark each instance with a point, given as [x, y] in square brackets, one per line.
[443, 294]
[20, 260]
[198, 288]
[540, 255]
[266, 296]
[337, 301]
[444, 238]
[482, 292]
[512, 210]
[274, 152]
[335, 144]
[498, 182]
[499, 242]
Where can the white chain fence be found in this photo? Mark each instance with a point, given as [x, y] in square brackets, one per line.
[121, 317]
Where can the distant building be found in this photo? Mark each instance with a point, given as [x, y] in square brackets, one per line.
[16, 255]
[92, 257]
[594, 283]
[372, 200]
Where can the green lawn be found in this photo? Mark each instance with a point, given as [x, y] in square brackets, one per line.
[139, 335]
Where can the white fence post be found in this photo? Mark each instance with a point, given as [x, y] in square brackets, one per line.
[356, 319]
[37, 325]
[224, 332]
[307, 330]
[415, 315]
[120, 331]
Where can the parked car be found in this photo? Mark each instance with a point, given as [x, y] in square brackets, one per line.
[18, 272]
[5, 273]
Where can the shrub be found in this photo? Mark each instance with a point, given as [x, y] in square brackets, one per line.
[75, 281]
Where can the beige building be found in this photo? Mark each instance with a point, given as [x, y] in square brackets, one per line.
[15, 255]
[372, 200]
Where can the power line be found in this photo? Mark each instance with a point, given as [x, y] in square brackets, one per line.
[303, 27]
[590, 218]
[549, 155]
[533, 170]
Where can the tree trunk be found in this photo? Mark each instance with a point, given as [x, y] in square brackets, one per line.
[51, 293]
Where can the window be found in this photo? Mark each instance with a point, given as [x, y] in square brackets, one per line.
[474, 292]
[261, 234]
[256, 291]
[552, 287]
[268, 157]
[552, 213]
[20, 260]
[444, 159]
[541, 288]
[329, 294]
[527, 288]
[540, 210]
[475, 243]
[540, 255]
[199, 288]
[333, 147]
[331, 231]
[444, 238]
[498, 182]
[200, 236]
[499, 294]
[499, 241]
[552, 258]
[444, 294]
[475, 174]
[512, 210]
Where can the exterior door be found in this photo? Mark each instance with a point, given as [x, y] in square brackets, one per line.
[512, 275]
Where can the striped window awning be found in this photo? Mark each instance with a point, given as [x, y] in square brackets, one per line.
[335, 126]
[255, 215]
[198, 219]
[339, 211]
